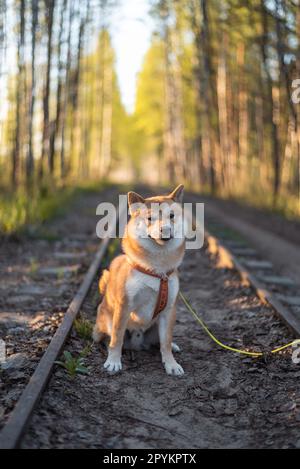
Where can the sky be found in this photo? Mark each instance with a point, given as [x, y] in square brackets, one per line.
[131, 33]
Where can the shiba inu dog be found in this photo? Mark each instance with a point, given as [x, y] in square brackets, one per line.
[140, 288]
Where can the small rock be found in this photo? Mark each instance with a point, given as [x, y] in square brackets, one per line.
[11, 397]
[174, 411]
[17, 376]
[287, 407]
[17, 299]
[14, 362]
[30, 289]
[16, 330]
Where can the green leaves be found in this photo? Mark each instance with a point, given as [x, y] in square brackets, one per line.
[73, 365]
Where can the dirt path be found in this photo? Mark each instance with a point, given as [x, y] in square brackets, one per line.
[222, 401]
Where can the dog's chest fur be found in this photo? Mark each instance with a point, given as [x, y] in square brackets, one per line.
[142, 293]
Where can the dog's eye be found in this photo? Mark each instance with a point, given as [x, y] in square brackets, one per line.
[149, 219]
[172, 215]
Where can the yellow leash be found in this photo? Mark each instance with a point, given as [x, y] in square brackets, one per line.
[226, 347]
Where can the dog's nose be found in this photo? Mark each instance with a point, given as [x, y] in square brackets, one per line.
[165, 231]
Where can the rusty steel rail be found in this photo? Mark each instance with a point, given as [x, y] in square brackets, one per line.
[228, 259]
[18, 420]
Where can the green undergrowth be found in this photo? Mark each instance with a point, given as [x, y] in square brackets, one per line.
[21, 209]
[74, 364]
[83, 328]
[225, 233]
[287, 206]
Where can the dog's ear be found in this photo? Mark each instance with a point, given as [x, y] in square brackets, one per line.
[177, 194]
[134, 200]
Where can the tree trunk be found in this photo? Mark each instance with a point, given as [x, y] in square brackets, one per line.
[243, 113]
[174, 140]
[209, 93]
[66, 94]
[19, 98]
[76, 84]
[222, 108]
[55, 127]
[30, 156]
[298, 107]
[271, 108]
[107, 90]
[49, 6]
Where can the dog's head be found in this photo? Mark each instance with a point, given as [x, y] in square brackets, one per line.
[157, 221]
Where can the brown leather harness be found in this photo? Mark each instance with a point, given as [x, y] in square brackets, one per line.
[163, 293]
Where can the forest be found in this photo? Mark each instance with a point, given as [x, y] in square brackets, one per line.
[216, 103]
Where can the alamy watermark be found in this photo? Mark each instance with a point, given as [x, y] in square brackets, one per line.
[159, 221]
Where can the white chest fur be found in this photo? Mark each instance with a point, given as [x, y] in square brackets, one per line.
[142, 293]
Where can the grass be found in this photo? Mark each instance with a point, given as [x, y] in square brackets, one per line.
[33, 266]
[113, 246]
[20, 209]
[74, 365]
[225, 233]
[83, 328]
[287, 205]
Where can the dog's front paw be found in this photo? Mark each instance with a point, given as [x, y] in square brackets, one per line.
[173, 368]
[113, 364]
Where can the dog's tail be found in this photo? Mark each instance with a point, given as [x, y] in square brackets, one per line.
[103, 282]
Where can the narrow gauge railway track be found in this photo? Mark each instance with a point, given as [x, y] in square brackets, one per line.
[230, 260]
[18, 419]
[280, 295]
[16, 425]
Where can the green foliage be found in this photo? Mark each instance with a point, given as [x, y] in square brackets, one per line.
[83, 328]
[149, 111]
[34, 265]
[213, 73]
[18, 209]
[73, 365]
[113, 246]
